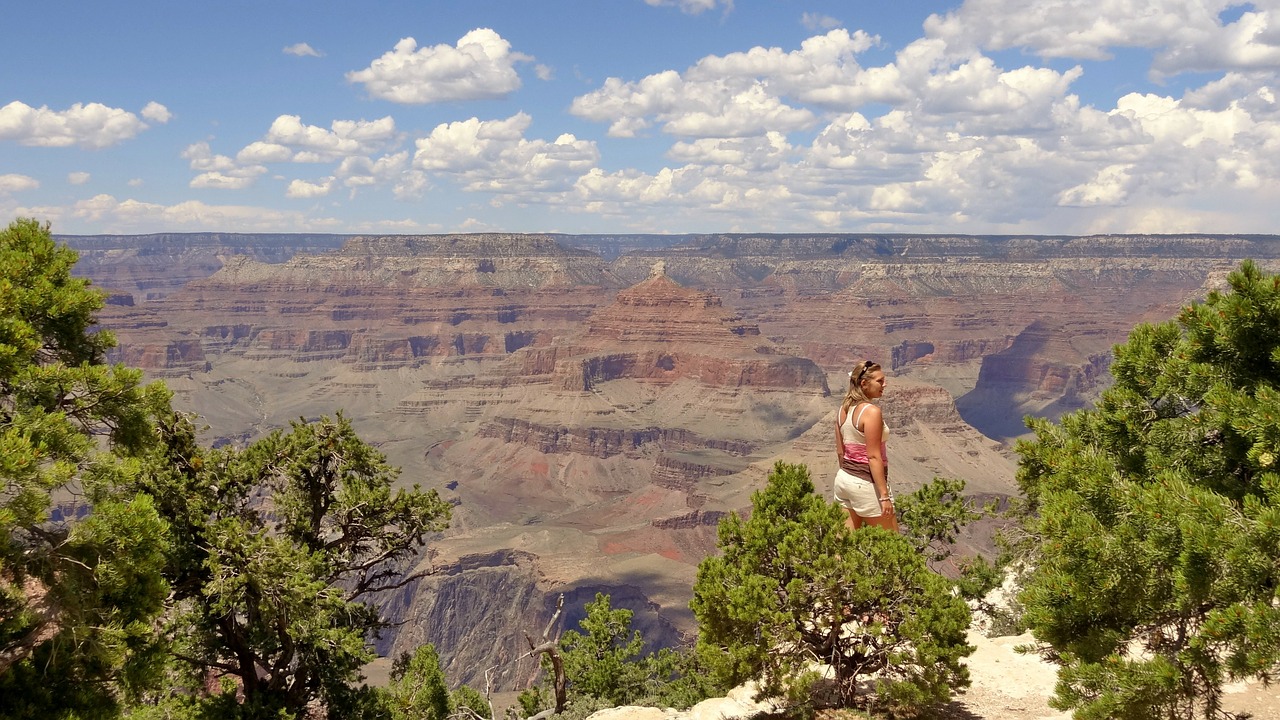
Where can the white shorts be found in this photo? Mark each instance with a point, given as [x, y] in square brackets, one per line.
[854, 493]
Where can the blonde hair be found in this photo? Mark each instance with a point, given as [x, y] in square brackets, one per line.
[855, 394]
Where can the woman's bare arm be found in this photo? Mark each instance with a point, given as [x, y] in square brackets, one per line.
[839, 435]
[872, 421]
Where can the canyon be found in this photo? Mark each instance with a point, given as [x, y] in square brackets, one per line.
[593, 405]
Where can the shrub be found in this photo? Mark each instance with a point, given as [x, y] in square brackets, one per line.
[793, 584]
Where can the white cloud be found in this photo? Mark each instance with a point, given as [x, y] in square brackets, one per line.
[665, 196]
[757, 153]
[219, 171]
[965, 141]
[397, 226]
[817, 21]
[113, 215]
[745, 93]
[135, 182]
[411, 185]
[692, 7]
[690, 109]
[364, 171]
[78, 178]
[1085, 29]
[1185, 35]
[290, 140]
[202, 157]
[977, 96]
[263, 152]
[1109, 187]
[750, 112]
[310, 143]
[155, 112]
[214, 180]
[304, 189]
[1250, 43]
[12, 183]
[475, 225]
[493, 155]
[302, 50]
[544, 72]
[91, 125]
[481, 65]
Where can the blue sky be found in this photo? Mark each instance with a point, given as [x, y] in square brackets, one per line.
[984, 116]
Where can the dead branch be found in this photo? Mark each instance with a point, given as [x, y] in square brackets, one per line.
[551, 647]
[46, 611]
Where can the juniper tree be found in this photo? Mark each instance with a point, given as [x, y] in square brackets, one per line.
[80, 559]
[278, 551]
[793, 585]
[1156, 515]
[602, 661]
[418, 689]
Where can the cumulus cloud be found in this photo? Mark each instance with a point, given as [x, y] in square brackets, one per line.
[304, 189]
[494, 155]
[219, 172]
[78, 178]
[263, 152]
[481, 65]
[12, 183]
[411, 186]
[91, 125]
[977, 96]
[1185, 36]
[690, 109]
[214, 180]
[1110, 186]
[767, 152]
[155, 112]
[364, 171]
[964, 143]
[347, 142]
[310, 143]
[302, 50]
[745, 93]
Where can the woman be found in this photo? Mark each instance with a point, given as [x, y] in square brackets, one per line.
[862, 482]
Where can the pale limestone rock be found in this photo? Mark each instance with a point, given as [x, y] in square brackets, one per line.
[634, 713]
[740, 704]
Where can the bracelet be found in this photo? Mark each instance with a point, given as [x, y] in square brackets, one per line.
[883, 499]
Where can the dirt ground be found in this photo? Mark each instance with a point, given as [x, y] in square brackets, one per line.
[1008, 685]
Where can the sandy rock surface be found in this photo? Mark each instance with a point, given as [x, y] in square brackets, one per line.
[1006, 685]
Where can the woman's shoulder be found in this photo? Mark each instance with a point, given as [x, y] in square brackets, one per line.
[868, 411]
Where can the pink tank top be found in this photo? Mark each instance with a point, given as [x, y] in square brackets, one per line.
[856, 450]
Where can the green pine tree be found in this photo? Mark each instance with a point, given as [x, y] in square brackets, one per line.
[418, 690]
[80, 558]
[277, 551]
[794, 585]
[1156, 515]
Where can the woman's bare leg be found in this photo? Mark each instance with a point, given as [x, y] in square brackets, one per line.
[853, 522]
[888, 521]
